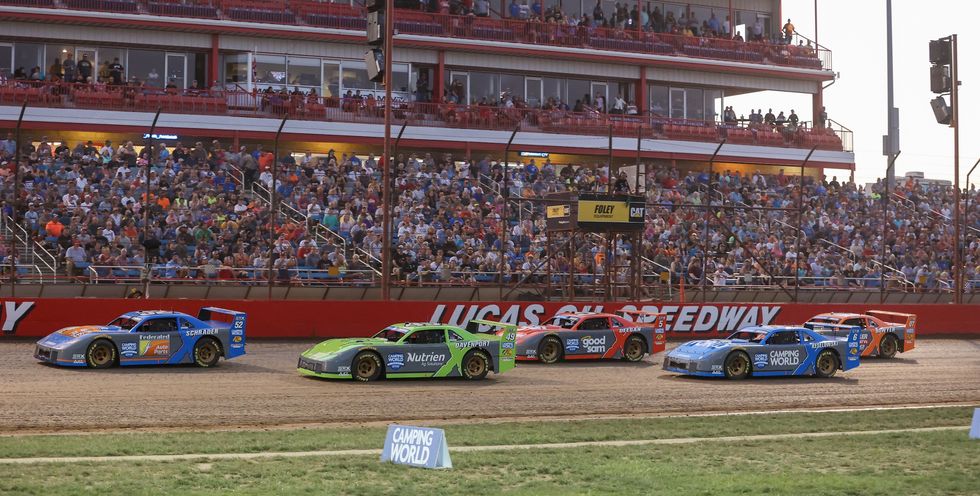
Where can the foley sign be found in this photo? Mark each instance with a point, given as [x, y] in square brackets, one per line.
[416, 446]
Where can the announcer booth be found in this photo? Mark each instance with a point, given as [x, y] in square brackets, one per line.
[573, 216]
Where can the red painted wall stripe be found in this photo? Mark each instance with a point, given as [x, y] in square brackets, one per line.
[317, 319]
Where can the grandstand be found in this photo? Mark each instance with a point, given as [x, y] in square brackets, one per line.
[624, 105]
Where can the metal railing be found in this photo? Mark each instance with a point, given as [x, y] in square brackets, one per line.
[420, 114]
[418, 23]
[220, 274]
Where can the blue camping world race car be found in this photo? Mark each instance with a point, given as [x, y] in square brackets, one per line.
[766, 351]
[148, 338]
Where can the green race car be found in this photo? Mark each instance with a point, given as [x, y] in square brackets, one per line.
[415, 350]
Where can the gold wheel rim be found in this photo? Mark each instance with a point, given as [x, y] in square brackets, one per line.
[365, 368]
[826, 364]
[475, 366]
[737, 366]
[634, 350]
[550, 351]
[100, 355]
[888, 346]
[206, 353]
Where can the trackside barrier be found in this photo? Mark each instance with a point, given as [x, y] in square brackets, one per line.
[318, 319]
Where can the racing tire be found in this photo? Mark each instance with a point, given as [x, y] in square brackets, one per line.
[888, 346]
[366, 367]
[206, 353]
[737, 365]
[634, 349]
[100, 354]
[827, 364]
[475, 365]
[550, 350]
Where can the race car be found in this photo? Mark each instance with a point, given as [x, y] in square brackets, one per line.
[766, 351]
[414, 350]
[878, 337]
[591, 335]
[149, 337]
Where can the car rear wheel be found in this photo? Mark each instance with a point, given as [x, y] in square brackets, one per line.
[206, 353]
[367, 366]
[634, 349]
[550, 350]
[888, 346]
[827, 364]
[101, 354]
[476, 365]
[737, 365]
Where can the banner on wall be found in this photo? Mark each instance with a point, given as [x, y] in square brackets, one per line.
[316, 319]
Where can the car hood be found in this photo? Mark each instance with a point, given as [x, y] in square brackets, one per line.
[530, 330]
[325, 348]
[703, 347]
[71, 334]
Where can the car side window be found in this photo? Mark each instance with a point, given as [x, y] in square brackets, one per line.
[854, 322]
[159, 325]
[429, 336]
[784, 337]
[455, 337]
[872, 323]
[594, 324]
[184, 325]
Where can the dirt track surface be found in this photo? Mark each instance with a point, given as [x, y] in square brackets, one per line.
[263, 389]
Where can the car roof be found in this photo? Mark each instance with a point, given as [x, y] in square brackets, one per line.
[421, 326]
[584, 314]
[142, 314]
[772, 328]
[840, 315]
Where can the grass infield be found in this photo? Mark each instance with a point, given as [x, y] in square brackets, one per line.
[943, 462]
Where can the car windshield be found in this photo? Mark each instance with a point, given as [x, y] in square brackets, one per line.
[125, 323]
[819, 322]
[563, 321]
[751, 336]
[392, 334]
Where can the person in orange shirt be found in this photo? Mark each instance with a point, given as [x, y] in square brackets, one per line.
[265, 161]
[54, 227]
[164, 202]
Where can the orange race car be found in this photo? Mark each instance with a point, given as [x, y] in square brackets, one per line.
[878, 337]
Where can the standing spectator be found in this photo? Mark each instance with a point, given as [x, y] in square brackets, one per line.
[822, 120]
[69, 69]
[788, 31]
[84, 69]
[116, 72]
[793, 118]
[481, 8]
[757, 30]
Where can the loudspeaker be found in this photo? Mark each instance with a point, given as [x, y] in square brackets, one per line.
[374, 59]
[944, 115]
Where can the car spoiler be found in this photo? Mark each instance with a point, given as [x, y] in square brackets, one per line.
[910, 318]
[236, 328]
[659, 319]
[506, 355]
[853, 358]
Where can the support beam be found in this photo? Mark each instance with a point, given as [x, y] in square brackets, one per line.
[214, 72]
[439, 79]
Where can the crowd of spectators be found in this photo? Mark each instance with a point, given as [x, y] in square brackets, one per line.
[85, 202]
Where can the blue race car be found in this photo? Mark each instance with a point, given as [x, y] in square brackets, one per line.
[766, 351]
[148, 338]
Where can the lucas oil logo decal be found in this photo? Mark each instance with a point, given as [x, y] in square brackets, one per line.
[783, 358]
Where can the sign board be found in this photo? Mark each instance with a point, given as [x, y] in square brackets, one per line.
[618, 213]
[280, 319]
[975, 426]
[424, 447]
[559, 217]
[534, 154]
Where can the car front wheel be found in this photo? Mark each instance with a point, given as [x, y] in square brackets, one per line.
[101, 354]
[737, 365]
